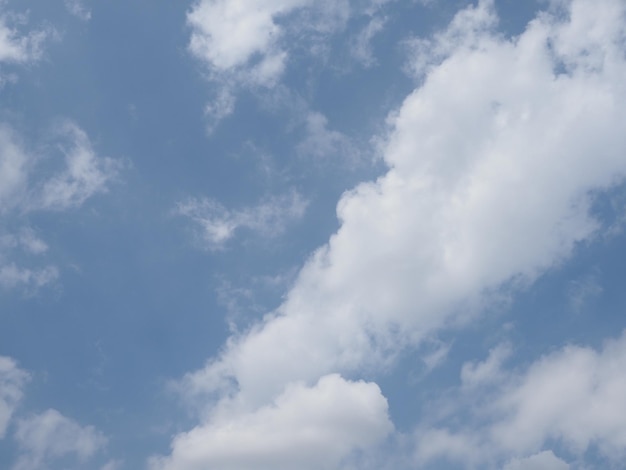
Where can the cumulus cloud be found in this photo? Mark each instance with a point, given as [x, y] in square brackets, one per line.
[488, 185]
[49, 436]
[492, 165]
[217, 224]
[12, 381]
[247, 43]
[305, 427]
[572, 396]
[226, 34]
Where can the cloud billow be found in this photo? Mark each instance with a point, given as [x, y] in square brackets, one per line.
[492, 165]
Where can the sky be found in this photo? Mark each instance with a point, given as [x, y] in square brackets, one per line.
[325, 235]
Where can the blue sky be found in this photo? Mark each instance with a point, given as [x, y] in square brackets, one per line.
[297, 234]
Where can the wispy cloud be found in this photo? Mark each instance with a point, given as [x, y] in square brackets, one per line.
[16, 46]
[43, 438]
[216, 224]
[12, 381]
[25, 188]
[78, 9]
[571, 397]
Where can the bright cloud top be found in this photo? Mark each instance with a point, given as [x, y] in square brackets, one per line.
[306, 428]
[493, 162]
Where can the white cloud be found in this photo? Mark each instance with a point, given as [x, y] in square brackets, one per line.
[218, 224]
[488, 371]
[78, 9]
[85, 174]
[12, 381]
[545, 460]
[49, 436]
[323, 143]
[227, 34]
[573, 397]
[478, 195]
[24, 187]
[14, 167]
[361, 47]
[16, 47]
[492, 163]
[305, 428]
[247, 43]
[12, 276]
[221, 107]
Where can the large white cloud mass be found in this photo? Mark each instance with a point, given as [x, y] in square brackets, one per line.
[493, 162]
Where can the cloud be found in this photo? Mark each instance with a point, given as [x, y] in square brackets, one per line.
[230, 35]
[478, 197]
[16, 47]
[361, 47]
[78, 9]
[12, 276]
[493, 161]
[545, 460]
[305, 428]
[488, 371]
[12, 381]
[50, 435]
[85, 174]
[572, 397]
[14, 167]
[248, 43]
[221, 107]
[321, 142]
[217, 224]
[26, 185]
